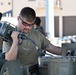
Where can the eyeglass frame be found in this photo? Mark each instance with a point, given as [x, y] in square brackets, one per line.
[26, 24]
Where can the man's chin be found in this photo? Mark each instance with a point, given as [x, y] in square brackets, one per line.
[25, 31]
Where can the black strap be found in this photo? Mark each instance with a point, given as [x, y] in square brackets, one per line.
[33, 69]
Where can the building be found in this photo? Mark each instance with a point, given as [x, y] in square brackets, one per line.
[12, 7]
[6, 7]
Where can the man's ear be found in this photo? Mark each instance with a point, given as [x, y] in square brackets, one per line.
[17, 17]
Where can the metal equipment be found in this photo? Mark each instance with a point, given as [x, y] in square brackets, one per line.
[12, 68]
[69, 49]
[58, 66]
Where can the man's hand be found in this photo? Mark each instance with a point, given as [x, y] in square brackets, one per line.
[14, 36]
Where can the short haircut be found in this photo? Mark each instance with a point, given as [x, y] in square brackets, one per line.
[28, 13]
[37, 21]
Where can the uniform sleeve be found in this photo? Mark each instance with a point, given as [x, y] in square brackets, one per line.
[44, 42]
[5, 47]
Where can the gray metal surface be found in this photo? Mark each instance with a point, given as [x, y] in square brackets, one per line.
[58, 66]
[12, 68]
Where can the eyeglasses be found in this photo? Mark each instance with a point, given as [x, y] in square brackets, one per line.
[26, 24]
